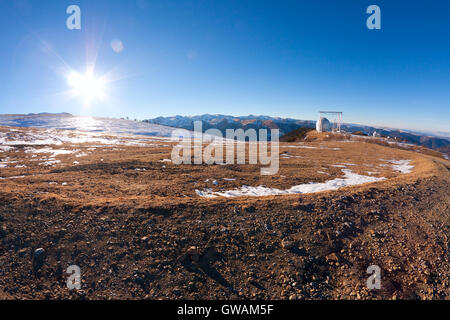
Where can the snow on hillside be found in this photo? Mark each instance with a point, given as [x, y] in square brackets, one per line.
[87, 124]
[350, 179]
[402, 166]
[13, 137]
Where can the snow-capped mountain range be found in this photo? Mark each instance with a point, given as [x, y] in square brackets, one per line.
[437, 141]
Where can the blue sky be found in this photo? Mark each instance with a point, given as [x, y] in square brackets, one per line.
[278, 58]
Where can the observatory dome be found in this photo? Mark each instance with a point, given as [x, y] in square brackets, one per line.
[323, 125]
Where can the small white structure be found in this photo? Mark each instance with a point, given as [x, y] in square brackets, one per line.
[323, 125]
[376, 134]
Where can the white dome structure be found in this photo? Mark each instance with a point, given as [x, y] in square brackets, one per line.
[323, 125]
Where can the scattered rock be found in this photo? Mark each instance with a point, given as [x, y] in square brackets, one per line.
[22, 252]
[287, 244]
[38, 259]
[193, 254]
[248, 208]
[332, 257]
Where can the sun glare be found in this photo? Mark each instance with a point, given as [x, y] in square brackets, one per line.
[87, 86]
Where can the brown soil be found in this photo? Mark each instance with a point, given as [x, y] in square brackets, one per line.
[139, 233]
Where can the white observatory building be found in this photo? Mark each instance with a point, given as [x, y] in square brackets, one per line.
[325, 125]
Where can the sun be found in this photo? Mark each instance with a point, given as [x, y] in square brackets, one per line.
[87, 86]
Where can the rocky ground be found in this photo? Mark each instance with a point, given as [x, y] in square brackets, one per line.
[308, 246]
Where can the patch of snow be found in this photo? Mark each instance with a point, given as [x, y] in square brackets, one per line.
[15, 177]
[400, 144]
[29, 139]
[207, 193]
[51, 162]
[350, 179]
[288, 156]
[402, 166]
[54, 152]
[6, 148]
[82, 154]
[327, 148]
[302, 147]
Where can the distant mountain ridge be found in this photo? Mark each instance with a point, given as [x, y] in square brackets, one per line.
[164, 126]
[223, 122]
[286, 125]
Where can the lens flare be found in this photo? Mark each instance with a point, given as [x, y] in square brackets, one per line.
[87, 86]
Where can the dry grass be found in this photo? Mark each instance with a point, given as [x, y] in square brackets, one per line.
[128, 174]
[390, 143]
